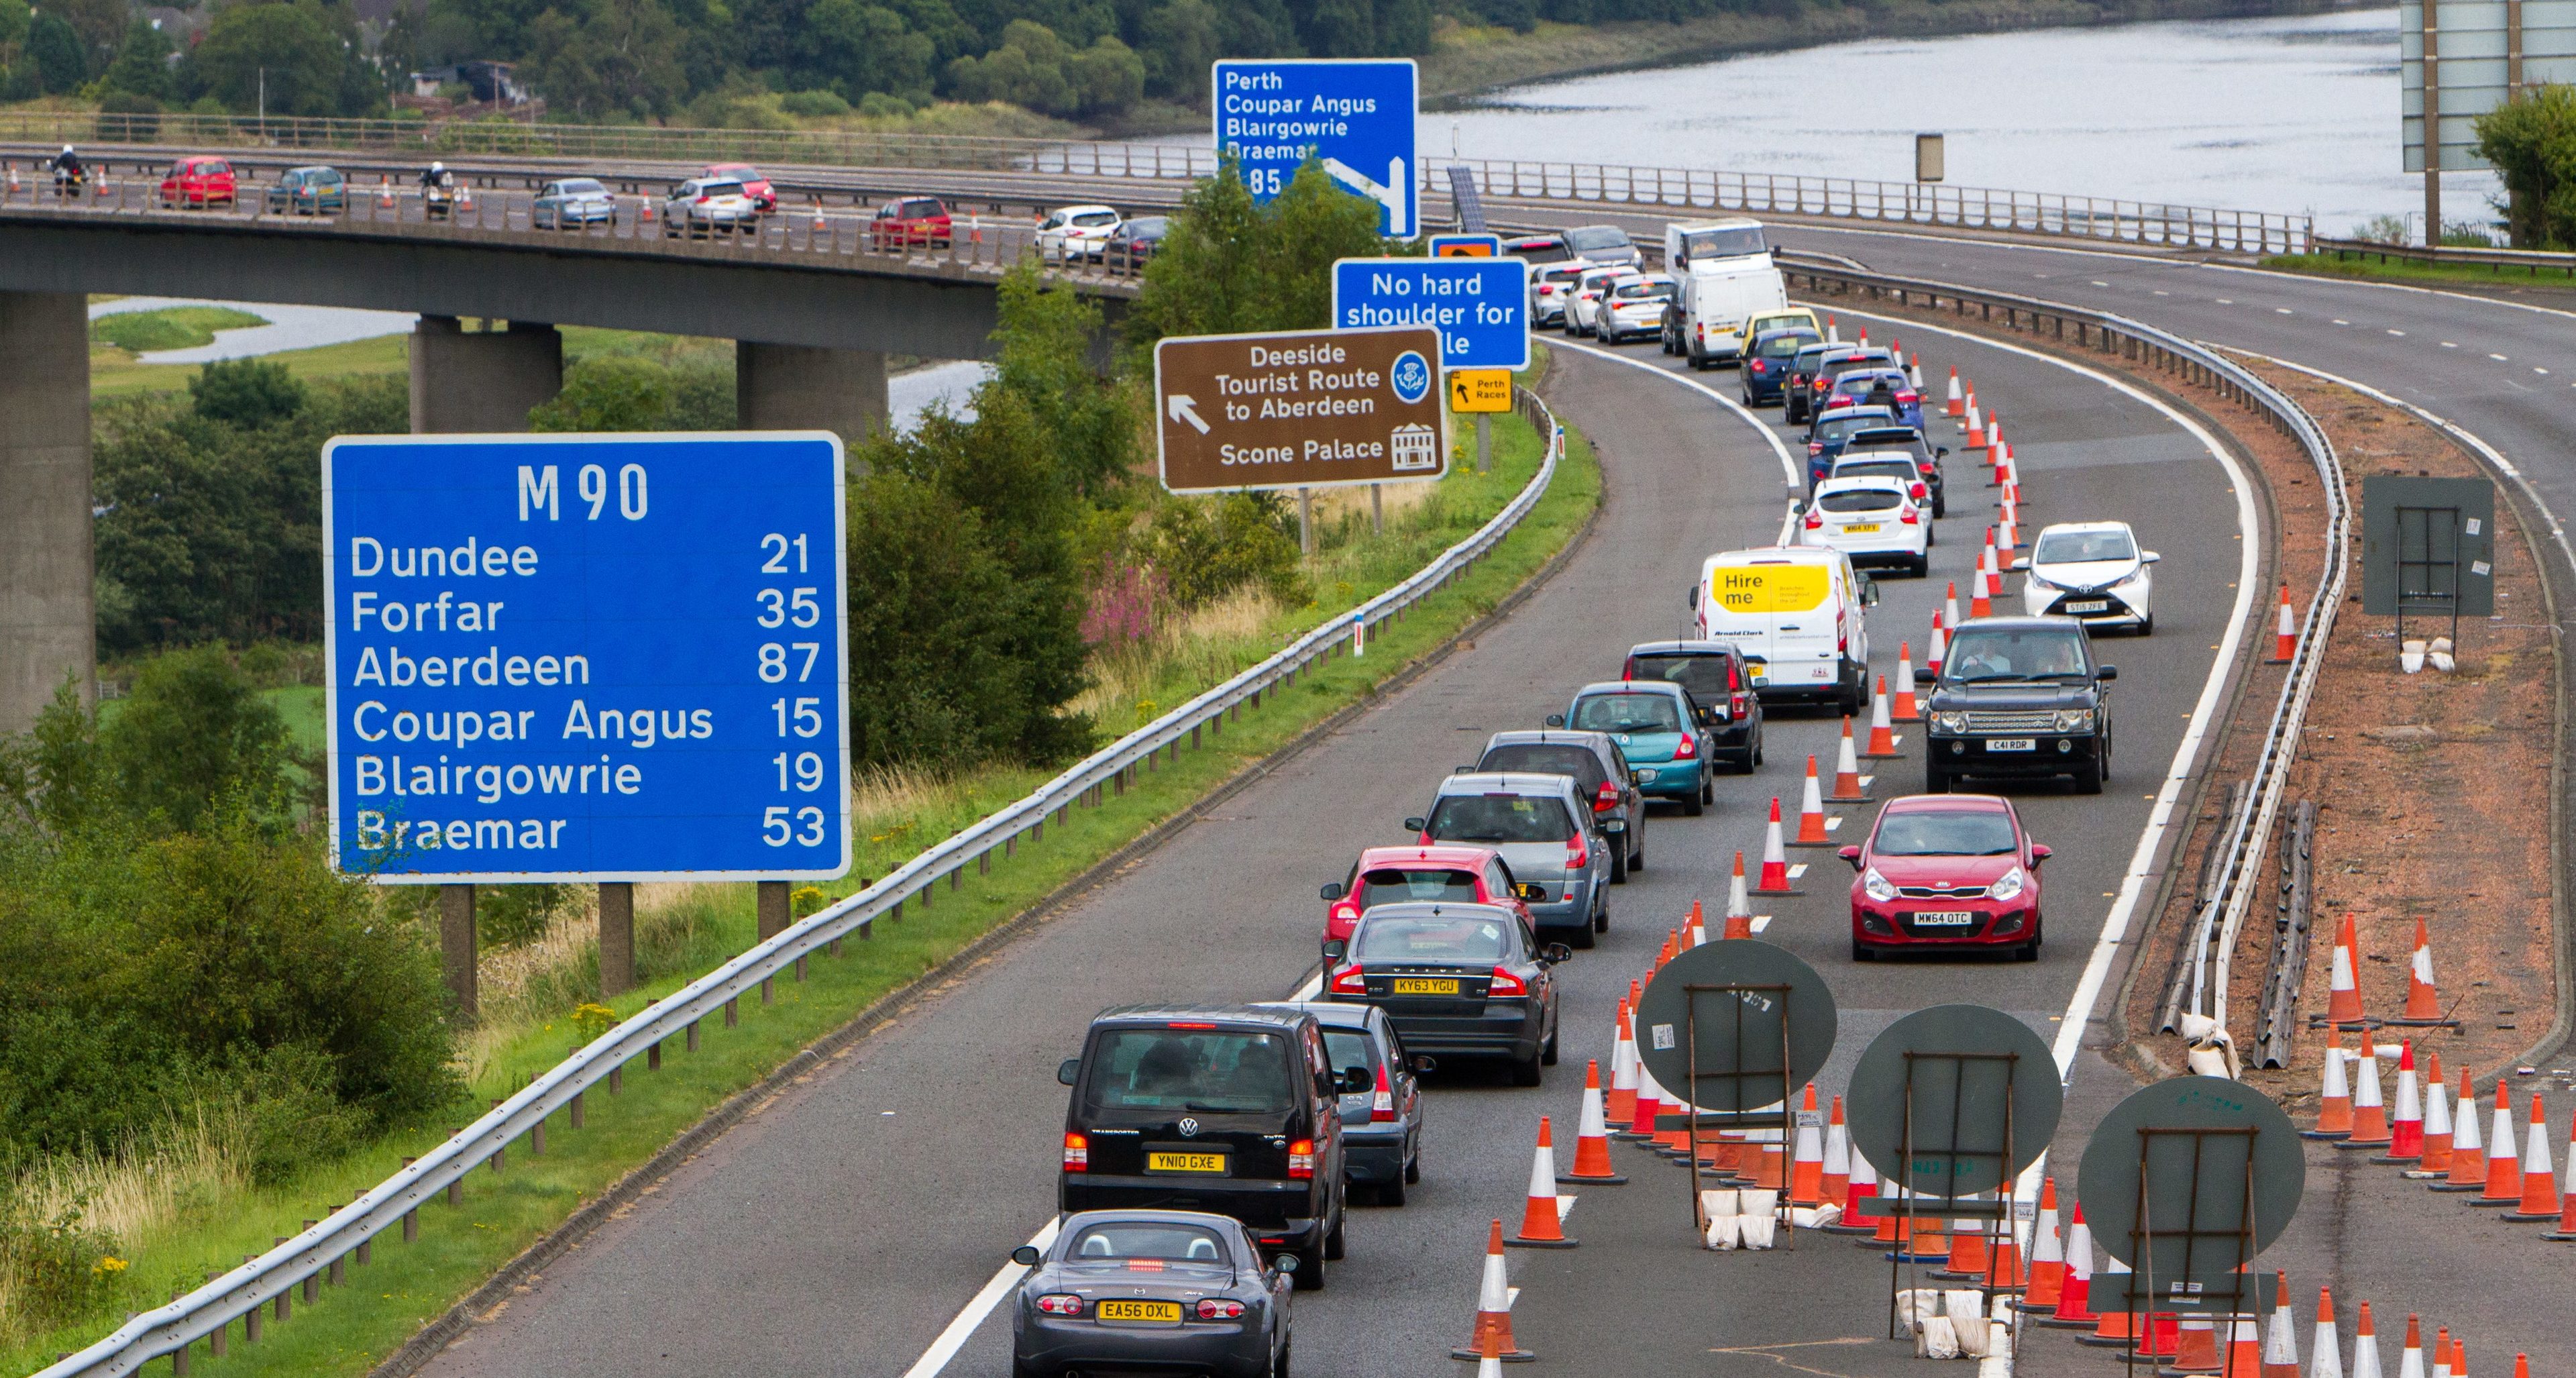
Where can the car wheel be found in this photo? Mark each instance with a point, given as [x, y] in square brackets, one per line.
[1855, 697]
[1309, 1276]
[2089, 780]
[2027, 952]
[1023, 1369]
[1391, 1193]
[1334, 1244]
[1413, 1166]
[1619, 864]
[1691, 805]
[1935, 779]
[1707, 790]
[1923, 565]
[1280, 1368]
[2147, 625]
[1863, 952]
[1547, 1050]
[1525, 1072]
[1940, 506]
[1582, 937]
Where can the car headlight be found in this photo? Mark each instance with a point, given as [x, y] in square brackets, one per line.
[1950, 721]
[1875, 886]
[2136, 577]
[2075, 720]
[2008, 888]
[2033, 581]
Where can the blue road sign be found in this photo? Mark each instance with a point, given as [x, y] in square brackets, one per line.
[1355, 114]
[587, 657]
[1479, 305]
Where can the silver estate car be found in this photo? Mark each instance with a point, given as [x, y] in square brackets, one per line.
[1548, 836]
[571, 204]
[1162, 1291]
[704, 206]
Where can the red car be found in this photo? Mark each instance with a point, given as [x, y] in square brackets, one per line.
[754, 185]
[1433, 871]
[910, 222]
[1946, 871]
[198, 180]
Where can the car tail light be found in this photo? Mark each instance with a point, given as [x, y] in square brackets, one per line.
[1628, 669]
[1350, 981]
[1301, 1159]
[1703, 332]
[1577, 854]
[1908, 397]
[1077, 1152]
[1060, 1304]
[1734, 678]
[1211, 1309]
[1687, 751]
[1607, 799]
[1910, 516]
[703, 198]
[1816, 520]
[1505, 983]
[1382, 1101]
[1761, 367]
[1815, 447]
[1738, 701]
[1917, 492]
[1346, 912]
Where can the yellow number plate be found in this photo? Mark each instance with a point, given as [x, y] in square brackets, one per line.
[1168, 1312]
[1862, 528]
[1185, 1162]
[1426, 985]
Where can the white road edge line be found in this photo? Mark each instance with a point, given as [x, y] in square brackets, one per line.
[1792, 473]
[953, 1339]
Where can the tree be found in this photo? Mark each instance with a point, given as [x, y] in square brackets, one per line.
[1181, 42]
[245, 392]
[54, 50]
[292, 58]
[619, 57]
[194, 737]
[1043, 357]
[99, 24]
[1230, 266]
[1036, 68]
[2531, 140]
[855, 47]
[141, 67]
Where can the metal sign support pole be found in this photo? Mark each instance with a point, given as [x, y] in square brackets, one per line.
[2239, 1234]
[1484, 442]
[1786, 1119]
[2432, 126]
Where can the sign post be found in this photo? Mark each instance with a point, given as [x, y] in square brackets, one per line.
[1299, 409]
[1355, 115]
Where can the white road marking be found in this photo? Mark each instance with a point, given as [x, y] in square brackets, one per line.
[2101, 284]
[2398, 333]
[1833, 823]
[1760, 922]
[2446, 344]
[944, 1349]
[1314, 986]
[2500, 358]
[2538, 369]
[2343, 322]
[1797, 870]
[2160, 292]
[2283, 311]
[2226, 301]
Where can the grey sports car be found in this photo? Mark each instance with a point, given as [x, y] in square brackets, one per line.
[1159, 1291]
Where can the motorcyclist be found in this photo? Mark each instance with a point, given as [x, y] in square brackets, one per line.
[434, 176]
[67, 168]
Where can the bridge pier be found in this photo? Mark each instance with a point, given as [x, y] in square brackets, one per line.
[781, 387]
[480, 380]
[47, 607]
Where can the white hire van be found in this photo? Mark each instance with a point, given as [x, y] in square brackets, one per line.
[1800, 616]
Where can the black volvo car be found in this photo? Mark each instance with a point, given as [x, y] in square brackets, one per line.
[2020, 697]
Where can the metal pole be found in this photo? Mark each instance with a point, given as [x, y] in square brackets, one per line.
[2512, 48]
[2432, 126]
[1377, 509]
[1484, 442]
[1306, 522]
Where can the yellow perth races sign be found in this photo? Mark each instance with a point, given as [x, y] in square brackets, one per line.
[1747, 590]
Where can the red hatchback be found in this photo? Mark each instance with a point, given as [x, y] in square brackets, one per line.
[1438, 871]
[1946, 871]
[198, 181]
[913, 222]
[754, 185]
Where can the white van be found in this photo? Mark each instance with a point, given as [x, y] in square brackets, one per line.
[1799, 615]
[1733, 239]
[1714, 301]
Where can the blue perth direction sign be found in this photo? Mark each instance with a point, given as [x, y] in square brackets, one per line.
[1480, 306]
[1356, 115]
[587, 657]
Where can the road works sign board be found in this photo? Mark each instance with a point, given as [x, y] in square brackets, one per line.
[1356, 115]
[1479, 305]
[1480, 390]
[1466, 246]
[1298, 409]
[595, 657]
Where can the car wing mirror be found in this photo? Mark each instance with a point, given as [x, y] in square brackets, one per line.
[2021, 563]
[1425, 1063]
[1335, 949]
[1868, 591]
[1285, 1263]
[2039, 853]
[1068, 1069]
[1415, 825]
[1554, 720]
[1694, 595]
[1797, 507]
[1357, 1081]
[1027, 1256]
[1554, 953]
[1850, 854]
[2149, 558]
[1527, 891]
[1334, 891]
[1940, 451]
[2107, 673]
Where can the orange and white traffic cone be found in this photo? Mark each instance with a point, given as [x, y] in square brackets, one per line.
[2504, 1164]
[2004, 1272]
[1976, 425]
[819, 222]
[2075, 1294]
[1939, 647]
[1622, 1107]
[2244, 1357]
[2047, 1255]
[2369, 1112]
[1493, 1309]
[1968, 1255]
[1864, 337]
[1673, 1143]
[1838, 1157]
[2442, 1352]
[2323, 1341]
[2334, 1098]
[2468, 1145]
[1775, 857]
[1739, 906]
[2423, 1003]
[1543, 1216]
[2410, 1355]
[1592, 1137]
[2114, 1324]
[465, 194]
[13, 179]
[1882, 729]
[1489, 1362]
[2566, 1230]
[2365, 1346]
[1957, 405]
[1950, 605]
[1807, 1166]
[1862, 1184]
[1994, 440]
[1905, 708]
[2436, 1158]
[2539, 1179]
[384, 192]
[1833, 332]
[1979, 604]
[2406, 1129]
[2281, 1336]
[2285, 639]
[1847, 785]
[2343, 999]
[1695, 930]
[1811, 813]
[1650, 1099]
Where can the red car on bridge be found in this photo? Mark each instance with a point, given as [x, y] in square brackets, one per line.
[199, 180]
[754, 185]
[911, 222]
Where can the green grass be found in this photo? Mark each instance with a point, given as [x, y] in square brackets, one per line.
[172, 327]
[354, 1327]
[114, 373]
[2422, 274]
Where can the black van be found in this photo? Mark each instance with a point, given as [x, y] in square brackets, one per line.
[1231, 1109]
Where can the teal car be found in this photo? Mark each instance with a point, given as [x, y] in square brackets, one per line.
[1659, 728]
[308, 191]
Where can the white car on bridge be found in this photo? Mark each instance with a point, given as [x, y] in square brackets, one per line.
[1072, 232]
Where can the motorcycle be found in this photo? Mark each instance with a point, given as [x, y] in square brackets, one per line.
[438, 199]
[70, 183]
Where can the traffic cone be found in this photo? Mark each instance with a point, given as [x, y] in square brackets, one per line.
[1592, 1136]
[1917, 1237]
[1650, 1101]
[2281, 1336]
[1622, 1106]
[1807, 1167]
[1811, 813]
[821, 224]
[1739, 908]
[2436, 1158]
[1968, 1256]
[2365, 1346]
[465, 194]
[2410, 1355]
[2327, 1345]
[1697, 928]
[2406, 1130]
[1542, 1218]
[646, 216]
[1489, 1363]
[1914, 375]
[2504, 1164]
[2459, 1357]
[2343, 1001]
[1976, 425]
[1833, 332]
[1950, 605]
[1847, 785]
[2468, 1147]
[2285, 641]
[1882, 731]
[1836, 1188]
[1979, 605]
[13, 179]
[384, 192]
[2442, 1352]
[2369, 1112]
[1493, 1310]
[2047, 1255]
[1994, 435]
[1940, 644]
[2243, 1353]
[2195, 1345]
[2334, 1098]
[1957, 405]
[2539, 1179]
[1861, 1185]
[2423, 1003]
[1905, 709]
[1675, 1142]
[2567, 1198]
[2075, 1293]
[2114, 1325]
[1864, 337]
[1775, 857]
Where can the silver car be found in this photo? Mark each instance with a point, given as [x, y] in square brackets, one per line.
[703, 206]
[1548, 836]
[1161, 1290]
[571, 204]
[1601, 772]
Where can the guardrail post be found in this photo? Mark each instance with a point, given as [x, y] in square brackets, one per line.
[733, 1016]
[616, 937]
[251, 1319]
[285, 1304]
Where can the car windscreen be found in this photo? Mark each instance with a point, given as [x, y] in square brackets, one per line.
[1500, 818]
[1727, 243]
[1944, 832]
[1543, 758]
[2014, 653]
[1892, 466]
[1782, 346]
[1842, 427]
[2075, 547]
[1150, 227]
[1597, 237]
[1547, 251]
[1838, 367]
[1346, 1048]
[585, 187]
[1092, 220]
[1438, 938]
[1649, 289]
[1168, 1242]
[1858, 382]
[720, 189]
[1566, 274]
[1393, 885]
[1211, 1071]
[1708, 678]
[1859, 499]
[1625, 713]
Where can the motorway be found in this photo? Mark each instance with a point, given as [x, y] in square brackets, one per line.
[844, 1228]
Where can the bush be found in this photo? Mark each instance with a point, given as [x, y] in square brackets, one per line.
[624, 392]
[245, 392]
[193, 739]
[58, 1271]
[517, 915]
[1208, 548]
[2531, 140]
[813, 105]
[1230, 266]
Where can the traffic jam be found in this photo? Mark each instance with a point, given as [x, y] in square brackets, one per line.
[1212, 1153]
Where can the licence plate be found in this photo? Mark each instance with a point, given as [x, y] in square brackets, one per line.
[1862, 528]
[1946, 918]
[2090, 605]
[1186, 1162]
[1761, 672]
[1426, 985]
[1167, 1312]
[2012, 744]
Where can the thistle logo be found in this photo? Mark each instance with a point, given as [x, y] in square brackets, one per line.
[1411, 376]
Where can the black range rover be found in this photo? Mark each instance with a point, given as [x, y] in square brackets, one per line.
[2021, 697]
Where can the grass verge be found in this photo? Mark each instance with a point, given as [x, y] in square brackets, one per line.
[2420, 274]
[353, 1327]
